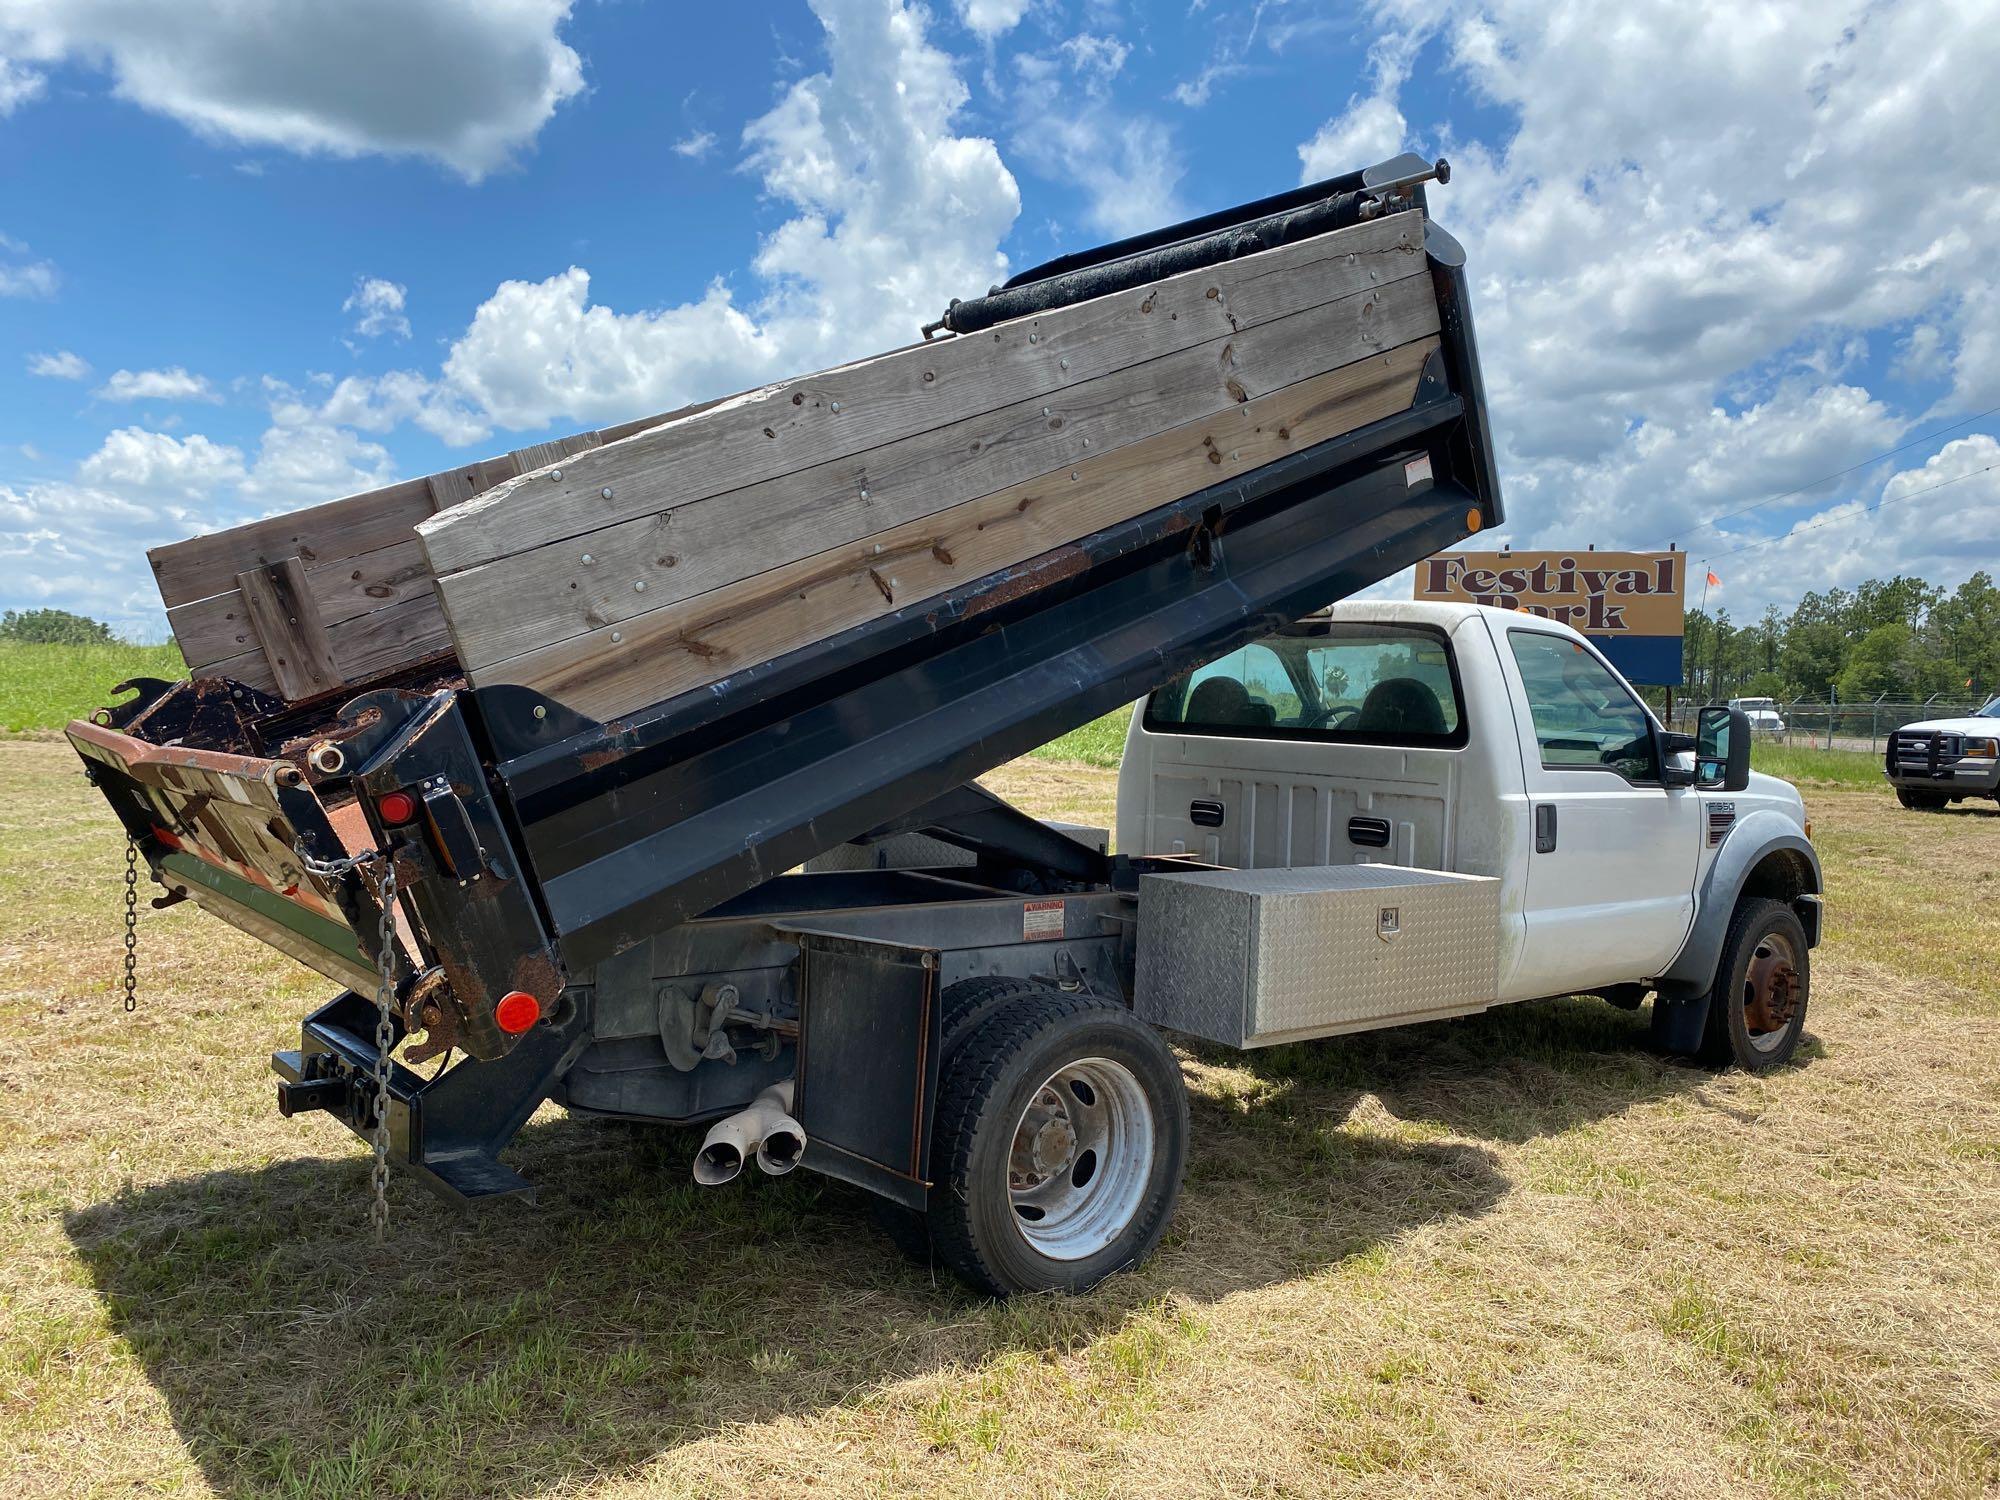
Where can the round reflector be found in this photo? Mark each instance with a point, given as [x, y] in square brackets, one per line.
[517, 1011]
[396, 807]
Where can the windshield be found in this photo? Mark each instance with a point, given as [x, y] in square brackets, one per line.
[1991, 711]
[1755, 703]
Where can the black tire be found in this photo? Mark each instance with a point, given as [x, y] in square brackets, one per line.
[962, 1009]
[991, 1235]
[964, 1005]
[1921, 801]
[1766, 935]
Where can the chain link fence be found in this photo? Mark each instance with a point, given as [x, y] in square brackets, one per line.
[1822, 725]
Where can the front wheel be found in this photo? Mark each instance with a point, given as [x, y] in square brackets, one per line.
[1921, 801]
[1757, 1010]
[1061, 1137]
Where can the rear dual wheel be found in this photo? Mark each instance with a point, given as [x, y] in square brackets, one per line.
[1059, 1143]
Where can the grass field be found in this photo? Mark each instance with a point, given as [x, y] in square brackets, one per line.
[43, 687]
[1506, 1255]
[1392, 1243]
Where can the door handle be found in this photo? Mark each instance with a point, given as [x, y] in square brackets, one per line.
[1545, 828]
[1205, 812]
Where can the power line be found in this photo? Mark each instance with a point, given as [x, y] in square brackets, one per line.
[1772, 541]
[1813, 484]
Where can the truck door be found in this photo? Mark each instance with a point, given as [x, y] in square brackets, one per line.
[1613, 851]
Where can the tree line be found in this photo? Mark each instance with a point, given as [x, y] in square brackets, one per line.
[1896, 638]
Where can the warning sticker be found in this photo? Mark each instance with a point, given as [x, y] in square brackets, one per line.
[1041, 919]
[1417, 471]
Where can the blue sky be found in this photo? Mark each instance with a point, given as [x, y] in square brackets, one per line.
[1720, 251]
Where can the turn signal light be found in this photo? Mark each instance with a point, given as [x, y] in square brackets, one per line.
[396, 808]
[517, 1011]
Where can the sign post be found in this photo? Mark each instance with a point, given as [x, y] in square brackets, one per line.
[1632, 605]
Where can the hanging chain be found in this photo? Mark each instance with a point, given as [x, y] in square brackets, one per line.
[385, 1042]
[131, 925]
[385, 1002]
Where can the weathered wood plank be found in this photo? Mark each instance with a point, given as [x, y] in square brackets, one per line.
[536, 598]
[206, 565]
[837, 413]
[455, 485]
[286, 622]
[218, 627]
[370, 645]
[645, 660]
[539, 455]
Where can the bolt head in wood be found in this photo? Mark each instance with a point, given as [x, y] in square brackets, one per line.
[588, 559]
[605, 493]
[639, 587]
[555, 473]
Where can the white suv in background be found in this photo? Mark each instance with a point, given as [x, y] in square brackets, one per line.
[1762, 713]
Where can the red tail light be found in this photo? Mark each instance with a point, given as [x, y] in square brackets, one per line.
[396, 808]
[517, 1011]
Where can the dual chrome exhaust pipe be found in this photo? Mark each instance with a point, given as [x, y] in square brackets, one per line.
[765, 1130]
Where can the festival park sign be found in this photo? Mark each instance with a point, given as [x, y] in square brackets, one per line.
[1630, 604]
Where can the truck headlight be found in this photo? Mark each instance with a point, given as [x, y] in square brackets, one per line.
[1982, 749]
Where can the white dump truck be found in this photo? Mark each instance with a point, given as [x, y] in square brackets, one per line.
[526, 754]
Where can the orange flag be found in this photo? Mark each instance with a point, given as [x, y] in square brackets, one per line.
[1713, 581]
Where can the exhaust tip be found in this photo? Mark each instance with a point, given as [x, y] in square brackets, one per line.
[718, 1162]
[780, 1151]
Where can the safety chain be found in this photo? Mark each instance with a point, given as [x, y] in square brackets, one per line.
[131, 925]
[385, 1041]
[385, 1026]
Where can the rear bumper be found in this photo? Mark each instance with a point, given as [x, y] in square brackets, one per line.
[447, 1131]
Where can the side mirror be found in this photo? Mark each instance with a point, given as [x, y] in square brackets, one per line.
[1722, 748]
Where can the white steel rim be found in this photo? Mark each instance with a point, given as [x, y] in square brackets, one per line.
[1081, 1158]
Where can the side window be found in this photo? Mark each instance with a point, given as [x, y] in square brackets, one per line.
[1584, 716]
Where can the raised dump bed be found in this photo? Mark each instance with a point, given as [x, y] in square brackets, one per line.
[613, 570]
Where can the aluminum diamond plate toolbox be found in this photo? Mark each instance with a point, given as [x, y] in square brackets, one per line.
[1254, 957]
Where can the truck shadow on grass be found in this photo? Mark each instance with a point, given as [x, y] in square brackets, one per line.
[631, 1313]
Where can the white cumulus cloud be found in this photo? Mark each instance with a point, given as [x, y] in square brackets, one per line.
[18, 86]
[893, 214]
[990, 19]
[377, 306]
[62, 365]
[1682, 245]
[466, 83]
[21, 275]
[171, 384]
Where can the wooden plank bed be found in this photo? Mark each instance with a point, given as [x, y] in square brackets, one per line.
[614, 569]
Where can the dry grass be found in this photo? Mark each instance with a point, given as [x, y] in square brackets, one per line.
[1514, 1254]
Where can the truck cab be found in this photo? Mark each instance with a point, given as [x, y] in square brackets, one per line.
[1480, 741]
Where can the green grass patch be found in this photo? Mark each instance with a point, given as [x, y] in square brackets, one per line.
[1101, 742]
[1811, 767]
[44, 687]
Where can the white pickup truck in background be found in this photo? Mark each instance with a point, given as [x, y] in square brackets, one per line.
[1486, 742]
[1941, 761]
